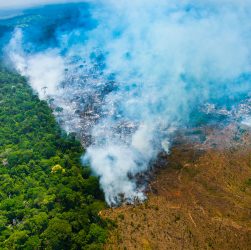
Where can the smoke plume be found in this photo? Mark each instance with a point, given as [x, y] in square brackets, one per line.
[125, 75]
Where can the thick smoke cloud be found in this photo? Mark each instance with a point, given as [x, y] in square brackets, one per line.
[44, 70]
[163, 59]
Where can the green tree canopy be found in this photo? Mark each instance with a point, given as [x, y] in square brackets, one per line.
[47, 199]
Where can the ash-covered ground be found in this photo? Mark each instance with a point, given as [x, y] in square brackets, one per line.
[81, 103]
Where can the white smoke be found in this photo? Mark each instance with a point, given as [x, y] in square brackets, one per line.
[44, 70]
[157, 44]
[168, 57]
[246, 121]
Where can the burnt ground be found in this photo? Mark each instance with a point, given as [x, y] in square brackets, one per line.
[199, 198]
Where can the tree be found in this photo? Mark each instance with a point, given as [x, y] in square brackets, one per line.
[58, 235]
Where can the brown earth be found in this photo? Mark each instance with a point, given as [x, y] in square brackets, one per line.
[200, 198]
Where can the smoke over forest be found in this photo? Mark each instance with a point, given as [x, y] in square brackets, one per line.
[125, 76]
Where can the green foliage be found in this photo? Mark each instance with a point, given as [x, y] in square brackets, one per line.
[248, 182]
[47, 199]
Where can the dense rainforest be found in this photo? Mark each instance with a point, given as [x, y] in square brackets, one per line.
[47, 199]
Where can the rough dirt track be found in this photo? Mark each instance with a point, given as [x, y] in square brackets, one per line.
[199, 199]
